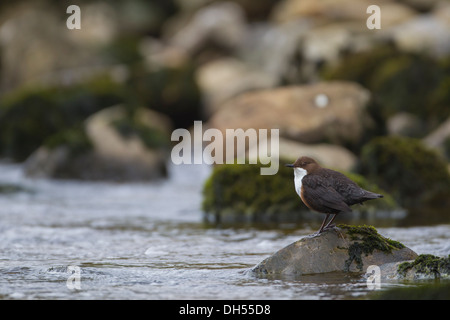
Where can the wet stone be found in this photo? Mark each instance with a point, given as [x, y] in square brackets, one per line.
[343, 248]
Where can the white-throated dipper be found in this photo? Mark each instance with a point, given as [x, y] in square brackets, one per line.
[325, 190]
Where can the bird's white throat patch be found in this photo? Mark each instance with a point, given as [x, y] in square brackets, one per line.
[299, 173]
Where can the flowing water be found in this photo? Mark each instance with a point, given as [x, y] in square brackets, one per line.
[148, 241]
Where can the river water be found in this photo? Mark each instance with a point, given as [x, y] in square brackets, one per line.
[149, 241]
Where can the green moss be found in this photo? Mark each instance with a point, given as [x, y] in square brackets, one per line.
[151, 137]
[440, 97]
[75, 138]
[427, 264]
[447, 148]
[124, 49]
[172, 91]
[29, 116]
[242, 190]
[415, 175]
[366, 240]
[399, 81]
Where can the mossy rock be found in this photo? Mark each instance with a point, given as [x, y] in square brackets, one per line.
[172, 91]
[114, 144]
[399, 82]
[415, 175]
[366, 239]
[29, 116]
[239, 193]
[74, 138]
[426, 266]
[343, 248]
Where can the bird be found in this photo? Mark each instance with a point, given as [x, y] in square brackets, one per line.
[327, 191]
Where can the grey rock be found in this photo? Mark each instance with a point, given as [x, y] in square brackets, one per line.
[424, 267]
[436, 139]
[404, 124]
[337, 249]
[424, 33]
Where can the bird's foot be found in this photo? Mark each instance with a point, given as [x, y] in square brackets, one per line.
[331, 226]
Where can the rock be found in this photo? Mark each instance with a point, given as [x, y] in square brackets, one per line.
[328, 155]
[425, 33]
[157, 55]
[425, 266]
[343, 248]
[325, 44]
[416, 176]
[329, 111]
[275, 49]
[142, 159]
[390, 75]
[238, 193]
[437, 138]
[421, 5]
[223, 23]
[238, 76]
[328, 10]
[115, 148]
[404, 124]
[29, 116]
[170, 89]
[54, 48]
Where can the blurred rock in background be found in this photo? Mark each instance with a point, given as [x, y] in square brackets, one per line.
[310, 68]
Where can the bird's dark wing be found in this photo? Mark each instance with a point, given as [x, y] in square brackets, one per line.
[348, 189]
[325, 198]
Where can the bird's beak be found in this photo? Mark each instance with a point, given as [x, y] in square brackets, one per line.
[289, 165]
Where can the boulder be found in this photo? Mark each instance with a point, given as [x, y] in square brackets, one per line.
[438, 138]
[223, 23]
[238, 193]
[416, 176]
[111, 146]
[425, 266]
[343, 248]
[275, 49]
[424, 33]
[328, 155]
[54, 48]
[405, 124]
[329, 111]
[238, 76]
[30, 116]
[390, 75]
[326, 11]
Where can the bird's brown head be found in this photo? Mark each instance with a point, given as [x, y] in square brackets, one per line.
[307, 163]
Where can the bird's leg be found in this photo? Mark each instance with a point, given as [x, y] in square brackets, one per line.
[329, 225]
[323, 224]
